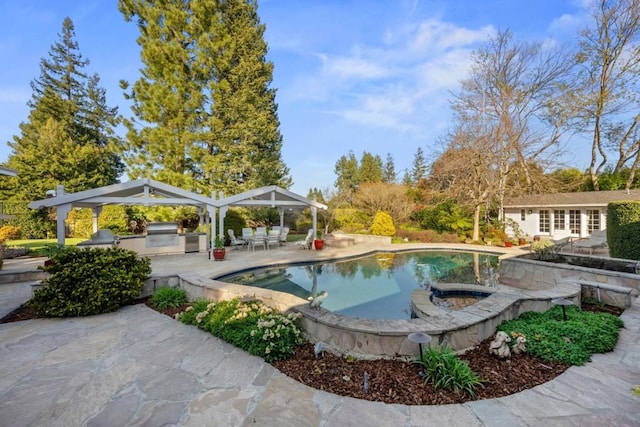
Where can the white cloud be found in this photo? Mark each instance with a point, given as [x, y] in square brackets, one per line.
[391, 83]
[352, 67]
[439, 36]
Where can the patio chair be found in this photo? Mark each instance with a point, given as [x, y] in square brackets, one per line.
[283, 235]
[247, 235]
[273, 238]
[308, 241]
[258, 239]
[235, 241]
[597, 240]
[560, 244]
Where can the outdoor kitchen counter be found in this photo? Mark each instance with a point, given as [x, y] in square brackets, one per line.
[164, 244]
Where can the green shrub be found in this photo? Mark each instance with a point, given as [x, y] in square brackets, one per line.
[623, 229]
[114, 218]
[164, 298]
[383, 225]
[249, 325]
[427, 236]
[8, 232]
[443, 369]
[573, 341]
[351, 220]
[90, 281]
[235, 221]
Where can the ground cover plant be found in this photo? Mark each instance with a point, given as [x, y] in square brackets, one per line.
[570, 341]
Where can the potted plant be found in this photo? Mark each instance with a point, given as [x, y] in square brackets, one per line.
[318, 244]
[218, 249]
[508, 243]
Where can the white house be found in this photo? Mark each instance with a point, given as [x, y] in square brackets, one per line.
[564, 214]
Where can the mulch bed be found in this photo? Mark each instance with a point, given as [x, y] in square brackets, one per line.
[396, 381]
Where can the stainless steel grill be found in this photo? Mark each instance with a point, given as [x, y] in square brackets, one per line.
[159, 228]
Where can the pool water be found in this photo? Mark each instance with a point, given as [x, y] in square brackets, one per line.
[378, 286]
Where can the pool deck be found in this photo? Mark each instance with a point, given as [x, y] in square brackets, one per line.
[138, 367]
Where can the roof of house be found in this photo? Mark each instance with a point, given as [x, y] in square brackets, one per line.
[586, 198]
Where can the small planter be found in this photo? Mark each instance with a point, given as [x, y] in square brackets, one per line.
[508, 244]
[522, 241]
[536, 238]
[218, 254]
[318, 244]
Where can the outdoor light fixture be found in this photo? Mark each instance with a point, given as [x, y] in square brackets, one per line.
[419, 338]
[530, 211]
[562, 302]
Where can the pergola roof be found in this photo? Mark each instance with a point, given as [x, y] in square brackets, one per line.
[270, 196]
[143, 191]
[147, 192]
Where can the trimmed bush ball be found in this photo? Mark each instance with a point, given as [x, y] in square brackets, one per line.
[383, 225]
[84, 282]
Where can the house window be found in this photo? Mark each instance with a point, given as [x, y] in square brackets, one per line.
[544, 221]
[523, 216]
[574, 221]
[593, 220]
[558, 220]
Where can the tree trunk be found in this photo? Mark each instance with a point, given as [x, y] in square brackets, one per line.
[476, 223]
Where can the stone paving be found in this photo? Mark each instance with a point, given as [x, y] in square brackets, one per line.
[138, 367]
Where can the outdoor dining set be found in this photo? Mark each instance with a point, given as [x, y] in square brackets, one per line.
[259, 236]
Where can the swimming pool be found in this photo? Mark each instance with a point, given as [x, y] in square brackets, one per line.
[377, 286]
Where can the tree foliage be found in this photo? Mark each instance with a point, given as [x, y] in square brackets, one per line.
[372, 197]
[505, 121]
[69, 137]
[205, 114]
[606, 101]
[389, 175]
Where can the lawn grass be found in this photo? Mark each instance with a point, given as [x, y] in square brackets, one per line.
[38, 247]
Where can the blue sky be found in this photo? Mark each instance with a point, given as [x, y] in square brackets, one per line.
[360, 75]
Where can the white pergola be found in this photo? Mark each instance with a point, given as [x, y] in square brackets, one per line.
[147, 192]
[270, 196]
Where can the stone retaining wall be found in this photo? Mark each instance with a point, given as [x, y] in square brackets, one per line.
[532, 274]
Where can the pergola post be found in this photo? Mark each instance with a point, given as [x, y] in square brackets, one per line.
[95, 214]
[222, 212]
[281, 212]
[62, 212]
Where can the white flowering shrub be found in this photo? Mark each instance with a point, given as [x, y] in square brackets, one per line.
[250, 325]
[276, 336]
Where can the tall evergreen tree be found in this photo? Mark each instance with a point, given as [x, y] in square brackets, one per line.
[69, 137]
[346, 170]
[370, 169]
[389, 175]
[206, 116]
[419, 167]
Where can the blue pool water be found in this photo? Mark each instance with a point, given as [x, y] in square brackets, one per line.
[374, 287]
